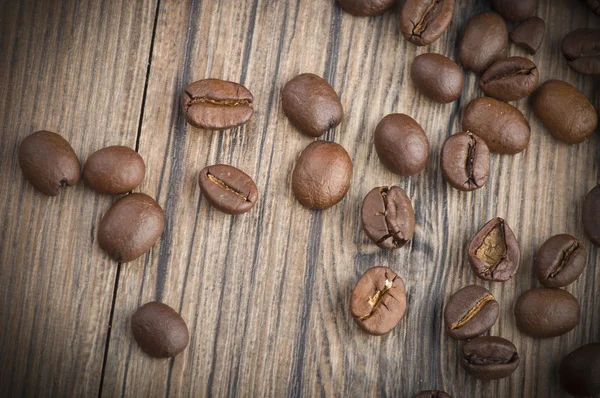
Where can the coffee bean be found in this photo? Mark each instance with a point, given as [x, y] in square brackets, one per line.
[502, 126]
[378, 301]
[228, 189]
[388, 217]
[565, 111]
[515, 10]
[423, 21]
[470, 312]
[311, 104]
[401, 144]
[529, 34]
[465, 161]
[591, 215]
[580, 371]
[432, 394]
[484, 41]
[214, 104]
[489, 358]
[510, 79]
[494, 252]
[159, 330]
[593, 5]
[48, 162]
[321, 177]
[544, 312]
[560, 261]
[114, 170]
[366, 8]
[437, 77]
[131, 227]
[581, 48]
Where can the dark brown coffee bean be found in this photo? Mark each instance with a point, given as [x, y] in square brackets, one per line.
[48, 162]
[423, 21]
[565, 111]
[214, 104]
[378, 301]
[591, 215]
[114, 170]
[366, 8]
[465, 161]
[432, 394]
[510, 79]
[515, 10]
[581, 48]
[437, 77]
[321, 177]
[544, 312]
[502, 126]
[131, 227]
[311, 104]
[484, 41]
[388, 217]
[489, 358]
[593, 5]
[560, 261]
[401, 144]
[529, 34]
[580, 371]
[470, 312]
[159, 330]
[228, 189]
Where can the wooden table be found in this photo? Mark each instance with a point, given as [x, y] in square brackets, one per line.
[265, 295]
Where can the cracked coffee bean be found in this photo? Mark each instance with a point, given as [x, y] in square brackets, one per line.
[159, 330]
[489, 358]
[484, 41]
[432, 394]
[470, 312]
[544, 312]
[515, 10]
[228, 189]
[560, 261]
[48, 162]
[378, 301]
[465, 161]
[580, 371]
[214, 104]
[510, 79]
[114, 170]
[581, 48]
[423, 21]
[591, 215]
[366, 8]
[529, 34]
[388, 217]
[437, 77]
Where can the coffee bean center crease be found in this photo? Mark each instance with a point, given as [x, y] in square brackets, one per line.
[509, 74]
[377, 298]
[472, 312]
[493, 249]
[222, 184]
[564, 259]
[398, 241]
[429, 15]
[217, 101]
[470, 160]
[478, 360]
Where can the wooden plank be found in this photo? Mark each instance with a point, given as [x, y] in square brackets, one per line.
[77, 68]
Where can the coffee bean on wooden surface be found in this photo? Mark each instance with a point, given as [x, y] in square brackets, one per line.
[131, 227]
[469, 312]
[489, 358]
[228, 189]
[510, 79]
[114, 170]
[593, 5]
[515, 10]
[560, 261]
[423, 21]
[565, 111]
[48, 162]
[465, 161]
[591, 215]
[388, 218]
[321, 177]
[159, 330]
[581, 48]
[543, 312]
[378, 301]
[484, 41]
[580, 371]
[311, 104]
[366, 8]
[437, 77]
[432, 394]
[529, 34]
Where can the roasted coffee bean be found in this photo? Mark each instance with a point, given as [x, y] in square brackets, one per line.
[432, 394]
[582, 49]
[131, 227]
[388, 217]
[591, 215]
[529, 34]
[489, 358]
[321, 177]
[565, 111]
[437, 77]
[366, 8]
[401, 144]
[159, 330]
[48, 162]
[593, 5]
[423, 21]
[484, 41]
[560, 261]
[378, 301]
[515, 10]
[311, 104]
[228, 189]
[470, 312]
[510, 79]
[502, 126]
[114, 170]
[580, 371]
[494, 252]
[544, 312]
[465, 161]
[214, 104]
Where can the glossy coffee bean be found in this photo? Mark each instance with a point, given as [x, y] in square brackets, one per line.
[489, 358]
[228, 189]
[388, 218]
[510, 79]
[159, 330]
[581, 48]
[423, 21]
[432, 394]
[366, 8]
[465, 161]
[114, 170]
[529, 34]
[591, 215]
[484, 41]
[544, 312]
[580, 371]
[378, 301]
[469, 312]
[48, 162]
[560, 261]
[437, 77]
[515, 10]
